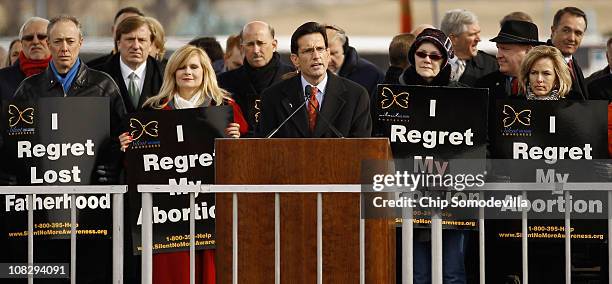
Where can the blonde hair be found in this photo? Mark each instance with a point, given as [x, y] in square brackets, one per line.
[159, 36]
[209, 87]
[563, 80]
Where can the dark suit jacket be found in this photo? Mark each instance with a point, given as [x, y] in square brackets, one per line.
[238, 83]
[152, 83]
[579, 87]
[346, 105]
[361, 71]
[596, 75]
[601, 88]
[10, 78]
[98, 62]
[480, 65]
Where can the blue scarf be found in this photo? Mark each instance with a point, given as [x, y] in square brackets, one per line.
[67, 80]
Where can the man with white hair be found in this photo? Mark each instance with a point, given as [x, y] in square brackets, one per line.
[461, 26]
[32, 60]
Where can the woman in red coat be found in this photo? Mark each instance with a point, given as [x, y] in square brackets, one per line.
[189, 82]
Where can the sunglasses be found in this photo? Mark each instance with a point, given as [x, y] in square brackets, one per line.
[31, 37]
[434, 56]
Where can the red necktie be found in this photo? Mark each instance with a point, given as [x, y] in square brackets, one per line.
[515, 88]
[312, 113]
[570, 64]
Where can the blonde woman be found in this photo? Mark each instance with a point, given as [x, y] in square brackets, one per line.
[544, 75]
[189, 82]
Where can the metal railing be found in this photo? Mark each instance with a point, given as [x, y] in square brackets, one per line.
[117, 192]
[407, 225]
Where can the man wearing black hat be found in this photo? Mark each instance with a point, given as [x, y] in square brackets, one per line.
[514, 40]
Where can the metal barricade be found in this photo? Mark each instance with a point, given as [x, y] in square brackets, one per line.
[117, 192]
[407, 225]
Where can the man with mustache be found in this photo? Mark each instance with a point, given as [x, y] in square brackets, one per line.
[461, 26]
[567, 32]
[32, 60]
[137, 74]
[261, 69]
[341, 103]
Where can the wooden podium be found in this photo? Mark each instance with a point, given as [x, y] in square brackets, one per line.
[300, 161]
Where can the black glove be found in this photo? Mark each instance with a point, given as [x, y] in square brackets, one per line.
[106, 174]
[7, 179]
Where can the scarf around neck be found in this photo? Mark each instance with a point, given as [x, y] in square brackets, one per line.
[67, 79]
[262, 77]
[180, 103]
[31, 67]
[552, 96]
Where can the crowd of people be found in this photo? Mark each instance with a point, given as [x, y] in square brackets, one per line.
[263, 90]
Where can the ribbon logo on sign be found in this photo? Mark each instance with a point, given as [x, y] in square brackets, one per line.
[16, 115]
[139, 128]
[523, 117]
[391, 99]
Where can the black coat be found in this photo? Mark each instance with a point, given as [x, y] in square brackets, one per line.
[601, 88]
[10, 78]
[98, 62]
[596, 75]
[480, 65]
[152, 82]
[361, 71]
[87, 83]
[392, 75]
[579, 87]
[238, 83]
[346, 105]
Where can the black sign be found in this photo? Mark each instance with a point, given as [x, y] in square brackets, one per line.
[438, 122]
[550, 130]
[559, 141]
[442, 122]
[56, 141]
[177, 148]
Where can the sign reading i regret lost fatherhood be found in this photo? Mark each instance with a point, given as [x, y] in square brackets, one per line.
[56, 141]
[176, 148]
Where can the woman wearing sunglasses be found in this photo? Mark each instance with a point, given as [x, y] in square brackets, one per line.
[429, 58]
[429, 66]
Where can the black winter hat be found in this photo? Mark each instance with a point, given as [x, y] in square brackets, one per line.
[437, 38]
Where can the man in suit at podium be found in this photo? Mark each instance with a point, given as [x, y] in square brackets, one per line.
[316, 103]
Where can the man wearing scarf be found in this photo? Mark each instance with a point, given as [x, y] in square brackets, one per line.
[32, 60]
[262, 67]
[68, 76]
